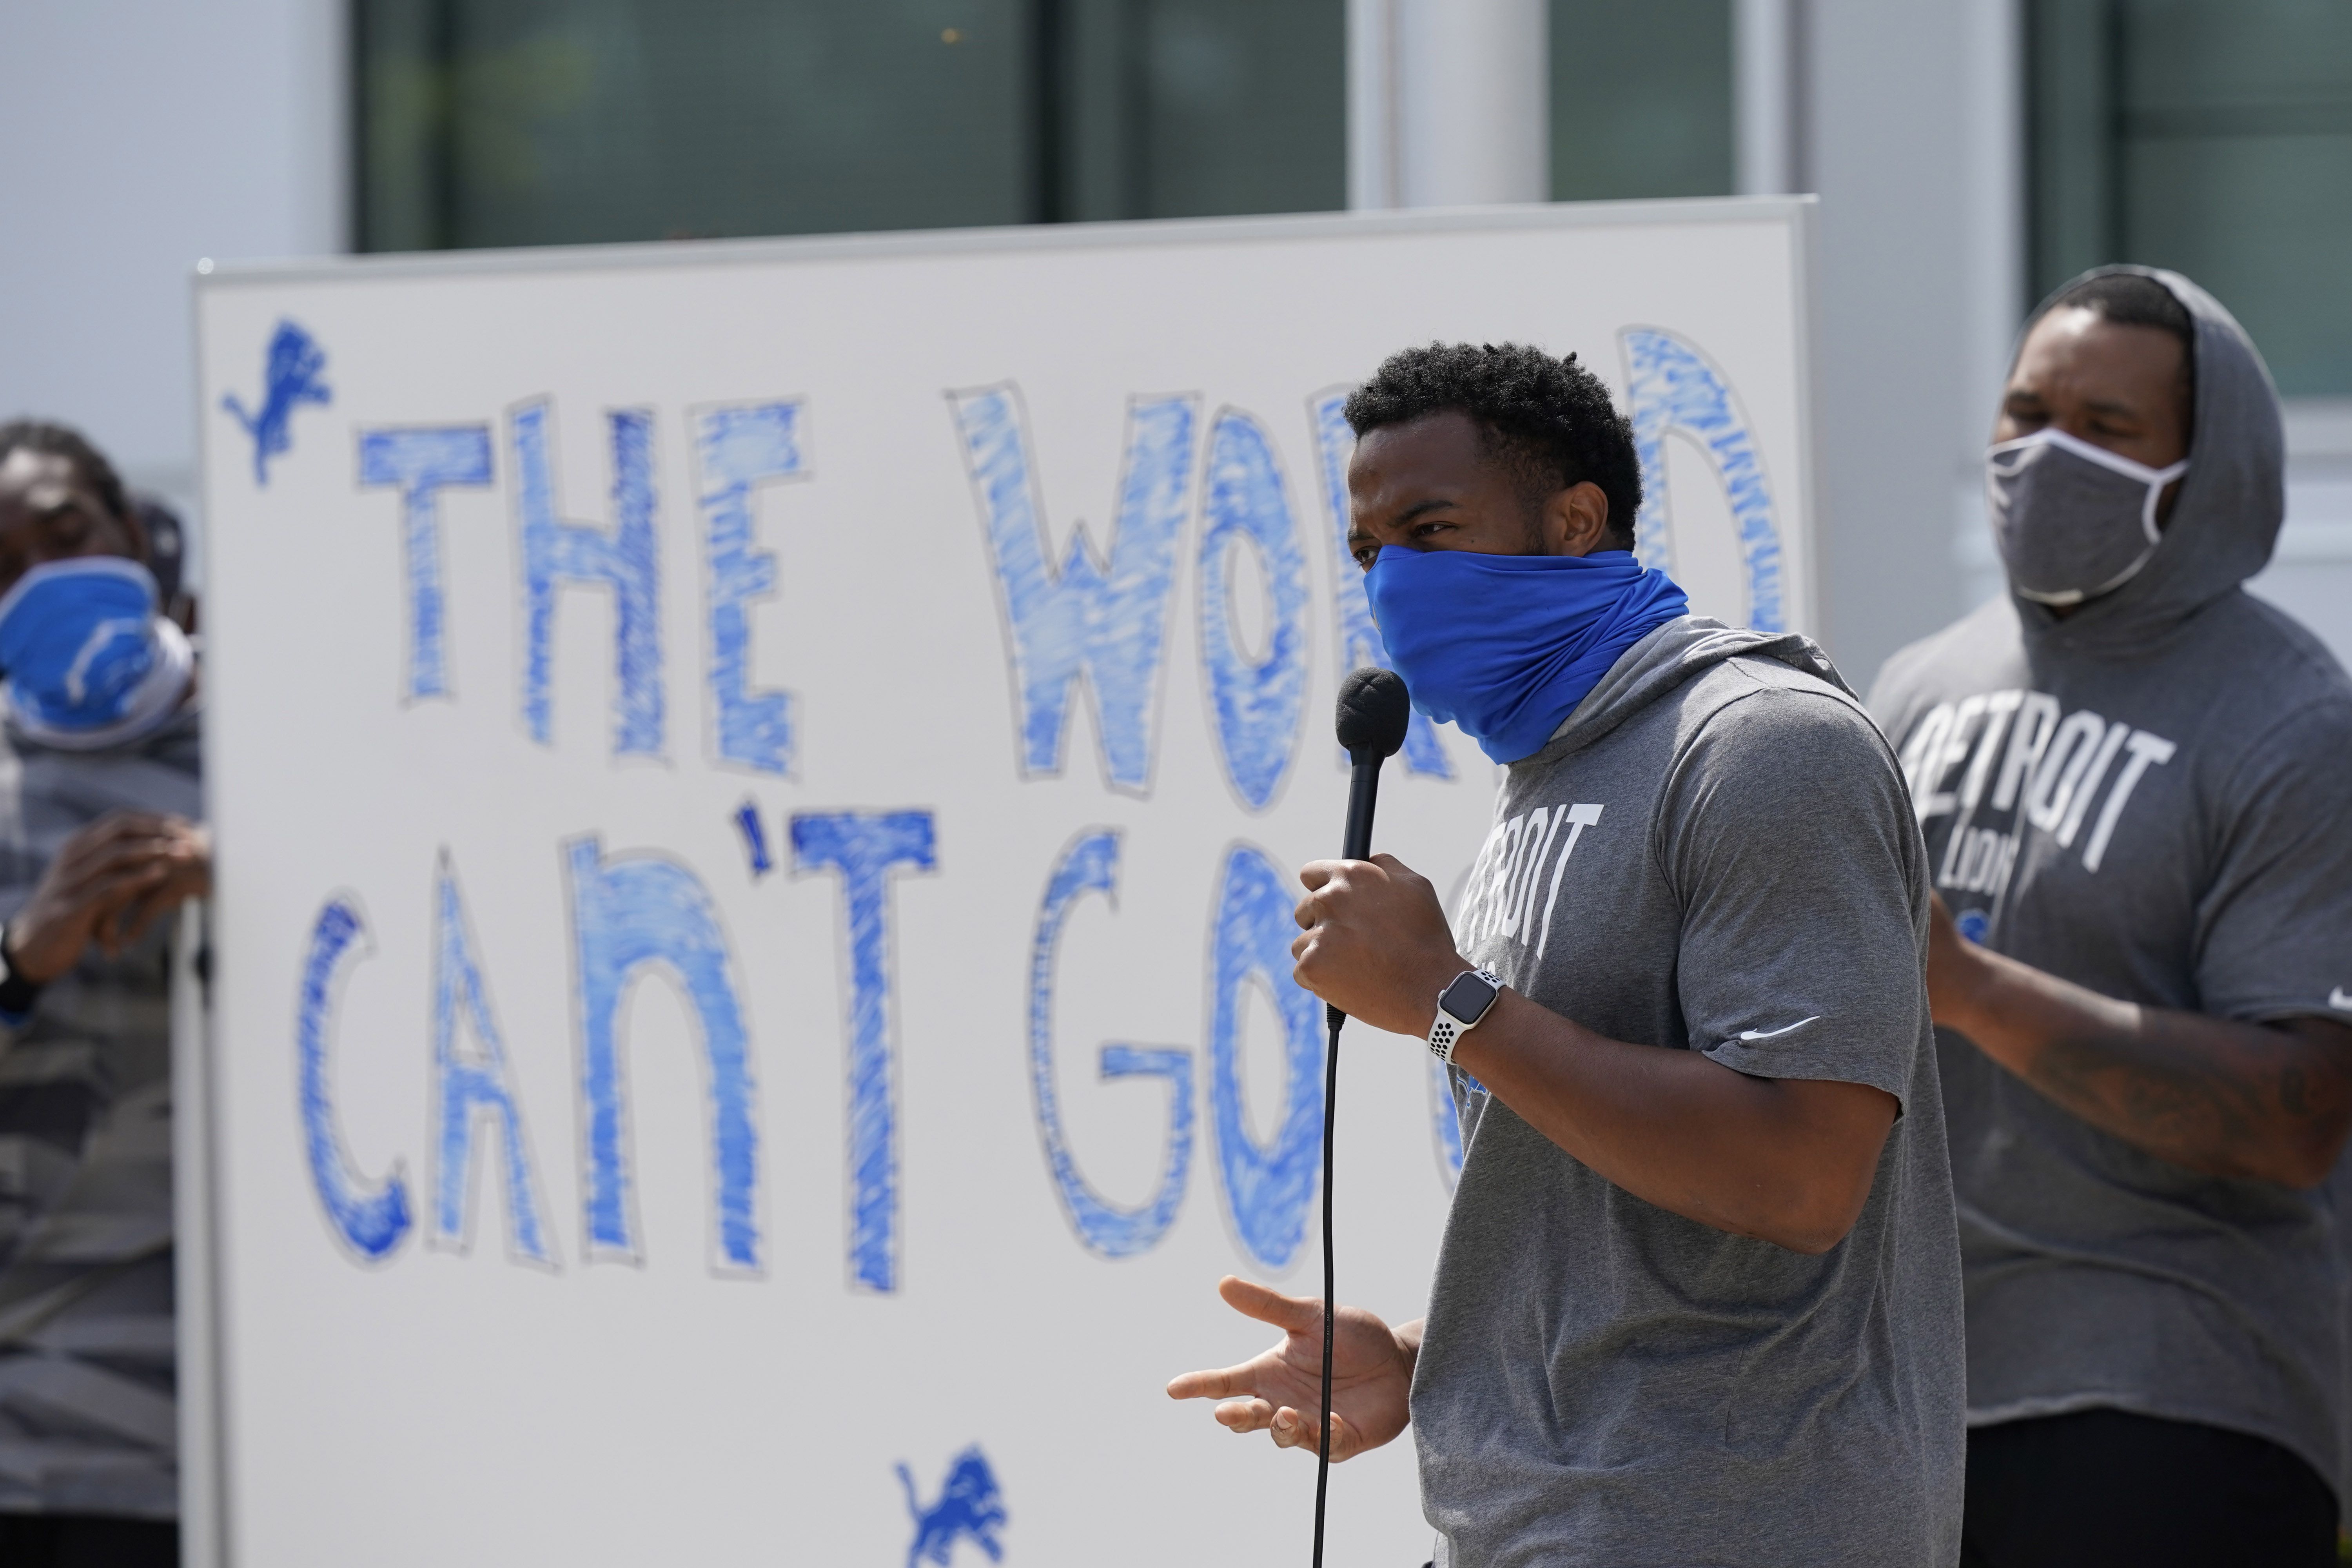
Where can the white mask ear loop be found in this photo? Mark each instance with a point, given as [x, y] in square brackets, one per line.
[2157, 479]
[2114, 462]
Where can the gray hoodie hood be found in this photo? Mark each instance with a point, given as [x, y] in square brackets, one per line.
[1672, 654]
[2225, 520]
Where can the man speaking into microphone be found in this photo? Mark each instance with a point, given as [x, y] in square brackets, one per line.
[1698, 1298]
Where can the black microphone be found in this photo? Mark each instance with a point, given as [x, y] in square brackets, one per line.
[1374, 711]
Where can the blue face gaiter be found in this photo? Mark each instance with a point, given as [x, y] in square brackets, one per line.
[1506, 646]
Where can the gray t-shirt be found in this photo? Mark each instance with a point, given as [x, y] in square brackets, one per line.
[2151, 798]
[2176, 831]
[1713, 853]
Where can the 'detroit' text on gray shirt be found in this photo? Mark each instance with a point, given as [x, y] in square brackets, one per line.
[2151, 798]
[1715, 853]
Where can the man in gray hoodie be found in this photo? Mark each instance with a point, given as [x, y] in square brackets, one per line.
[1698, 1299]
[2133, 778]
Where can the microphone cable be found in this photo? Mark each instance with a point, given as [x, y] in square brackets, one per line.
[1334, 1017]
[1374, 711]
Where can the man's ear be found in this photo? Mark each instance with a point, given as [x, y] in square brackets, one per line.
[1576, 521]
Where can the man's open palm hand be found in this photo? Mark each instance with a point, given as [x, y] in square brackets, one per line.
[1277, 1392]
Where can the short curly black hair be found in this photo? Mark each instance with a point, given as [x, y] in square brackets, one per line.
[1549, 420]
[52, 440]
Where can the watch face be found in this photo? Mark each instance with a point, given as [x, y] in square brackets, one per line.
[1468, 997]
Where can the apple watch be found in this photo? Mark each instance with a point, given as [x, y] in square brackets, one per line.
[1459, 1007]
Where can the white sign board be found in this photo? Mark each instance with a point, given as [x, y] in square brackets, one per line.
[757, 789]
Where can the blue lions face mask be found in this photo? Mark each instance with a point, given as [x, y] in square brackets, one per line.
[1506, 646]
[89, 661]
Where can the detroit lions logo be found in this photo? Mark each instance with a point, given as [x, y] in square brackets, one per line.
[970, 1506]
[290, 378]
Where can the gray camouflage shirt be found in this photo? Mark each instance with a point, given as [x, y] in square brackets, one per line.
[88, 1419]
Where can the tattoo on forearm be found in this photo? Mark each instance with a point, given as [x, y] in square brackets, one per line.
[2185, 1100]
[2294, 1093]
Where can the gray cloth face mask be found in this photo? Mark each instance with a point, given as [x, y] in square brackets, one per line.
[2072, 521]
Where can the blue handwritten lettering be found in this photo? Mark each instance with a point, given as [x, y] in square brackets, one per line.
[632, 914]
[1091, 866]
[371, 1218]
[471, 1090]
[737, 449]
[1106, 622]
[755, 838]
[422, 462]
[1444, 1124]
[1267, 1188]
[1674, 387]
[1256, 704]
[865, 849]
[626, 559]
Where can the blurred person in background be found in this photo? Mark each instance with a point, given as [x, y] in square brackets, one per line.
[2136, 782]
[98, 797]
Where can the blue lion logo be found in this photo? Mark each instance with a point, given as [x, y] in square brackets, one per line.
[290, 378]
[970, 1505]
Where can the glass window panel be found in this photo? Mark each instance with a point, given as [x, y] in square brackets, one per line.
[2257, 57]
[2070, 109]
[539, 121]
[1640, 98]
[1195, 108]
[1246, 107]
[2251, 219]
[547, 122]
[2211, 136]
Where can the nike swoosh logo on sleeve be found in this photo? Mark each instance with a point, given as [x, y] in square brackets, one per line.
[1774, 1034]
[2340, 1002]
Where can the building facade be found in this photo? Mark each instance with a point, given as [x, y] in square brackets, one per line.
[1970, 155]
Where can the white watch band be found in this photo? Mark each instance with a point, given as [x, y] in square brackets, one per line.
[1446, 1031]
[1445, 1035]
